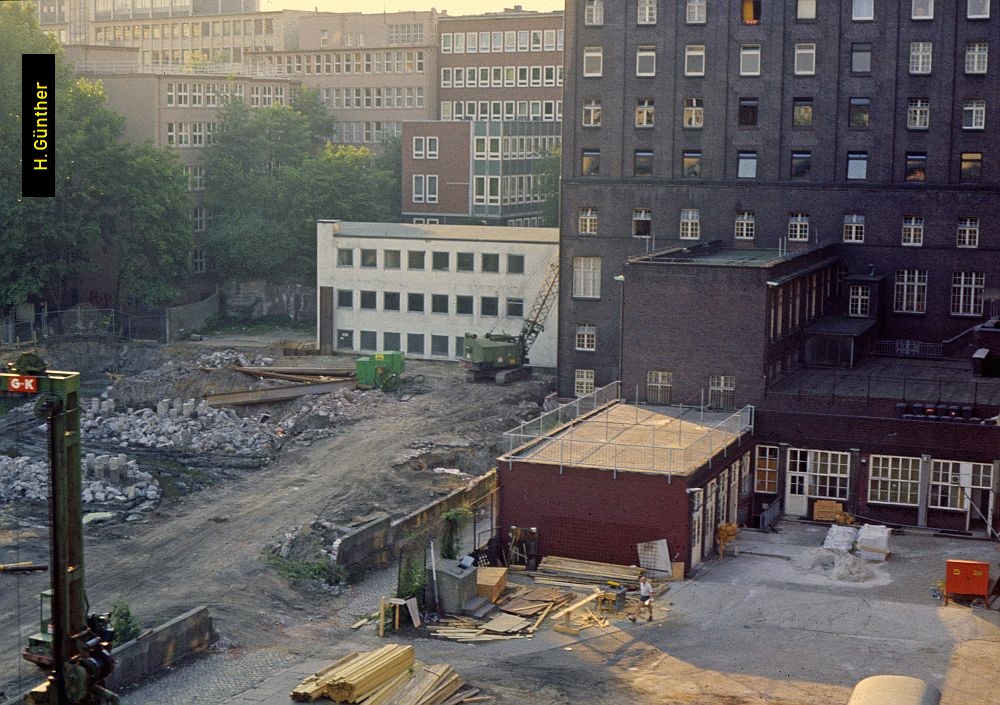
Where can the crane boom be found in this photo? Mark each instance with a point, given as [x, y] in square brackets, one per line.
[546, 299]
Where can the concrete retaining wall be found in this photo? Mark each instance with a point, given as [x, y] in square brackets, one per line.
[259, 298]
[372, 545]
[190, 318]
[160, 648]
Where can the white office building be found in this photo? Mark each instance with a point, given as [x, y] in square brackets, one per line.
[421, 288]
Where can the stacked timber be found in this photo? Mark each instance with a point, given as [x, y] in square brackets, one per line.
[572, 572]
[355, 677]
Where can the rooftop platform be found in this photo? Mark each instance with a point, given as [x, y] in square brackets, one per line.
[664, 440]
[716, 253]
[472, 233]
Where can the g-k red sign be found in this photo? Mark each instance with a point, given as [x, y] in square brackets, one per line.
[22, 384]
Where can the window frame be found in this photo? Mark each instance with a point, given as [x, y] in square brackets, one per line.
[746, 158]
[587, 221]
[890, 483]
[967, 293]
[967, 233]
[798, 224]
[859, 301]
[853, 228]
[750, 53]
[805, 50]
[921, 10]
[585, 339]
[693, 117]
[586, 277]
[645, 53]
[854, 159]
[590, 55]
[645, 13]
[910, 291]
[745, 226]
[694, 53]
[918, 113]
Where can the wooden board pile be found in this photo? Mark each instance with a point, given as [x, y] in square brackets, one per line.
[386, 676]
[571, 572]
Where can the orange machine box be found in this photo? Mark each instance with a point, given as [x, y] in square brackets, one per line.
[967, 578]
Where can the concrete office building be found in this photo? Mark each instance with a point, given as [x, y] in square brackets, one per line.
[421, 288]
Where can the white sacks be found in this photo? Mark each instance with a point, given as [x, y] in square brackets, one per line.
[872, 543]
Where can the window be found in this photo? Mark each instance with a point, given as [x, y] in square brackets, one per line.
[854, 227]
[976, 54]
[642, 222]
[918, 114]
[968, 232]
[862, 10]
[591, 112]
[643, 162]
[593, 13]
[345, 339]
[489, 306]
[747, 165]
[978, 9]
[644, 112]
[465, 262]
[659, 386]
[751, 12]
[922, 10]
[515, 264]
[694, 113]
[593, 62]
[721, 390]
[974, 114]
[696, 12]
[916, 166]
[390, 259]
[415, 303]
[750, 60]
[859, 112]
[801, 164]
[913, 230]
[391, 341]
[369, 340]
[463, 305]
[694, 60]
[802, 112]
[199, 261]
[691, 165]
[390, 301]
[858, 301]
[418, 147]
[920, 58]
[583, 382]
[798, 227]
[746, 226]
[586, 336]
[432, 188]
[805, 59]
[587, 222]
[345, 298]
[967, 293]
[587, 277]
[439, 345]
[515, 308]
[369, 259]
[368, 299]
[646, 11]
[345, 258]
[805, 10]
[747, 115]
[857, 166]
[440, 261]
[972, 167]
[690, 226]
[825, 473]
[645, 61]
[591, 162]
[946, 486]
[432, 147]
[415, 259]
[418, 188]
[415, 343]
[765, 475]
[893, 480]
[861, 58]
[910, 295]
[490, 262]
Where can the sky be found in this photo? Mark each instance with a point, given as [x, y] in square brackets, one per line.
[454, 7]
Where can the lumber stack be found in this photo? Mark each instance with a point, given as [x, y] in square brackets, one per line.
[355, 677]
[556, 570]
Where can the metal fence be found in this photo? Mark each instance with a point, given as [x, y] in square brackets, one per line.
[908, 348]
[565, 413]
[84, 321]
[901, 389]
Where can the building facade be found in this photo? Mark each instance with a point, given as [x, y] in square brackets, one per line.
[420, 288]
[788, 125]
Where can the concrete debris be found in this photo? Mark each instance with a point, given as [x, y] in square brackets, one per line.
[233, 358]
[835, 564]
[841, 538]
[106, 479]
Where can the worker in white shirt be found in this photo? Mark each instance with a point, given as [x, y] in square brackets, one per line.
[645, 599]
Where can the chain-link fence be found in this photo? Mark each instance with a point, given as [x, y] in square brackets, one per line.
[83, 321]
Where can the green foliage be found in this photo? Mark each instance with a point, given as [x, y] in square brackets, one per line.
[412, 576]
[299, 571]
[456, 519]
[548, 173]
[126, 626]
[272, 173]
[120, 211]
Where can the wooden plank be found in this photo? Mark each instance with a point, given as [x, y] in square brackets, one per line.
[261, 396]
[506, 623]
[411, 606]
[534, 627]
[566, 629]
[577, 604]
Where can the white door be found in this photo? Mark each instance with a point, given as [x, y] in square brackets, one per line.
[724, 496]
[710, 499]
[696, 527]
[796, 499]
[734, 491]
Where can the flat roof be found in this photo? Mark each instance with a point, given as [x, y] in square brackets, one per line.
[476, 233]
[715, 252]
[659, 440]
[840, 325]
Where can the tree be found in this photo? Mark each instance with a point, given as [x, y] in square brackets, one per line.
[120, 211]
[548, 174]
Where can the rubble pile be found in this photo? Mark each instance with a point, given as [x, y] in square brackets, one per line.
[177, 424]
[835, 564]
[107, 478]
[233, 358]
[314, 416]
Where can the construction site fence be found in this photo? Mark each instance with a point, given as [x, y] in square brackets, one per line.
[83, 321]
[563, 414]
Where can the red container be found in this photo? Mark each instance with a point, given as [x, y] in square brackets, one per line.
[967, 578]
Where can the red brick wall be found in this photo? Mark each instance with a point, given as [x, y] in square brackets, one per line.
[589, 514]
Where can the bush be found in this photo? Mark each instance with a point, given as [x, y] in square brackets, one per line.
[298, 571]
[455, 521]
[126, 626]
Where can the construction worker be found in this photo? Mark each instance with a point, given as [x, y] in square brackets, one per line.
[645, 599]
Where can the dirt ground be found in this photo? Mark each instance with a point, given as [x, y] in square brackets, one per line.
[203, 544]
